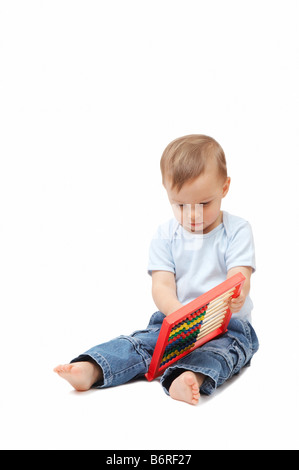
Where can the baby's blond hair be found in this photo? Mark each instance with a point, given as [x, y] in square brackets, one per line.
[185, 158]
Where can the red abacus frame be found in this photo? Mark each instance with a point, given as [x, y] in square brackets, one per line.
[194, 324]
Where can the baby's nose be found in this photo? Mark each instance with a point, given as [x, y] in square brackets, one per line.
[196, 211]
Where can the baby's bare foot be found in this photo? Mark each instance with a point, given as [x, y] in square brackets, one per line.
[186, 387]
[81, 375]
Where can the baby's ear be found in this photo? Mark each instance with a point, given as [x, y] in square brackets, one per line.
[226, 186]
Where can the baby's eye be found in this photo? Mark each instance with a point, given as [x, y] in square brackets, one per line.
[201, 204]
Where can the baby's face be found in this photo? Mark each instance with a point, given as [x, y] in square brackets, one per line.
[197, 206]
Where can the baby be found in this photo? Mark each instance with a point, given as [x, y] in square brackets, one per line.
[195, 251]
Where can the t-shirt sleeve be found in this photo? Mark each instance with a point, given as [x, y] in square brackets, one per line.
[240, 250]
[160, 253]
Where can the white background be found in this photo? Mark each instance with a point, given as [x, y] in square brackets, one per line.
[91, 94]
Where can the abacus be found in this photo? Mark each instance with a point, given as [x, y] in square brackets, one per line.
[194, 324]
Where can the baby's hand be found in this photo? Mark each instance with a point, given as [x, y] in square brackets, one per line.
[237, 303]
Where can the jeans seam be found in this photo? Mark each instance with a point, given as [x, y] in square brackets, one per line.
[146, 357]
[248, 336]
[104, 364]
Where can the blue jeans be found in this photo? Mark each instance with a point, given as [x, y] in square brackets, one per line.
[128, 357]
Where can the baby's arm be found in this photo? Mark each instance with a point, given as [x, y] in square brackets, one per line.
[164, 292]
[165, 297]
[237, 303]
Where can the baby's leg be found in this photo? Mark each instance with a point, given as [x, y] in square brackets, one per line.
[186, 387]
[209, 366]
[81, 375]
[115, 362]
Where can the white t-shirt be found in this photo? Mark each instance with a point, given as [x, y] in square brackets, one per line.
[201, 261]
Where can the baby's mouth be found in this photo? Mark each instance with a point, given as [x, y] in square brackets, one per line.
[196, 224]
